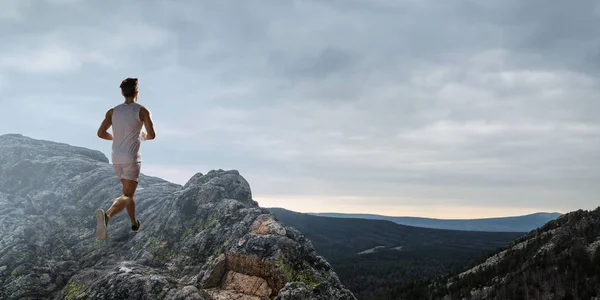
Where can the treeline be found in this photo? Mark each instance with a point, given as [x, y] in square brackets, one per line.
[424, 252]
[559, 261]
[378, 274]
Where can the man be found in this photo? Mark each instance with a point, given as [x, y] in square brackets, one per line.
[127, 120]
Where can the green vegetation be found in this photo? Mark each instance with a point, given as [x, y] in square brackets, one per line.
[161, 252]
[566, 270]
[211, 221]
[218, 251]
[425, 252]
[191, 230]
[73, 291]
[297, 273]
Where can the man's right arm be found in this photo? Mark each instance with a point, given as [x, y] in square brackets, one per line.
[147, 120]
[106, 123]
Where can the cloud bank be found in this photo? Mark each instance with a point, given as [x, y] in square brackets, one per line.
[446, 109]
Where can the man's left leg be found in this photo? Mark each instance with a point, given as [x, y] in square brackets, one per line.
[130, 179]
[129, 187]
[117, 206]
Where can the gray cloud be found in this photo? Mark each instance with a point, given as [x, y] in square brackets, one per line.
[467, 103]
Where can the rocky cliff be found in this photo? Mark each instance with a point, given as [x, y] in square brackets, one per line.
[560, 260]
[205, 240]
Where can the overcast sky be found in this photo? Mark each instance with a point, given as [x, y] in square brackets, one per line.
[453, 109]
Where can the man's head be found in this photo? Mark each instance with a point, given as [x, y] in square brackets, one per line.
[129, 87]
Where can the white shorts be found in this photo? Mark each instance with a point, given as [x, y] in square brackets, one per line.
[130, 171]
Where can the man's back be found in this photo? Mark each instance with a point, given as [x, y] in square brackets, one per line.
[127, 120]
[127, 126]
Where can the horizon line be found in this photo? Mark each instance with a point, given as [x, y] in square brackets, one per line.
[431, 218]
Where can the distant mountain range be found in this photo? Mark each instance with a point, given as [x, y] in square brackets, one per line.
[373, 256]
[524, 223]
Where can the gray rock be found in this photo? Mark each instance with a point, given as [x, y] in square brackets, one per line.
[203, 240]
[294, 291]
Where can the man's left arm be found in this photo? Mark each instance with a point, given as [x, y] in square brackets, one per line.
[106, 123]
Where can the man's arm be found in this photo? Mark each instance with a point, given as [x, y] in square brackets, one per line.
[147, 120]
[106, 123]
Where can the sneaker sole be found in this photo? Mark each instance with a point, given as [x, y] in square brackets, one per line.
[100, 225]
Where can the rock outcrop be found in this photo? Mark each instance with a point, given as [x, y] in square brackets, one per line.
[204, 240]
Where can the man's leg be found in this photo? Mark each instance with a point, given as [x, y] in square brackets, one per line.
[129, 187]
[129, 175]
[129, 180]
[118, 204]
[125, 201]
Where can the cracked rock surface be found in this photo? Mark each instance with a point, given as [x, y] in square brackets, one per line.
[204, 240]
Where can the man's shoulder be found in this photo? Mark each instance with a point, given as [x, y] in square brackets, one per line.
[143, 108]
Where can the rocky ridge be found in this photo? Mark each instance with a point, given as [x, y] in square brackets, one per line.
[204, 240]
[560, 260]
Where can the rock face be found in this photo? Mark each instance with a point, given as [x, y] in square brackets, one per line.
[205, 240]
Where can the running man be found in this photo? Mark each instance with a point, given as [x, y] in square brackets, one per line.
[127, 120]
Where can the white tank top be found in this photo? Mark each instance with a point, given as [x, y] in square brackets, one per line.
[127, 126]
